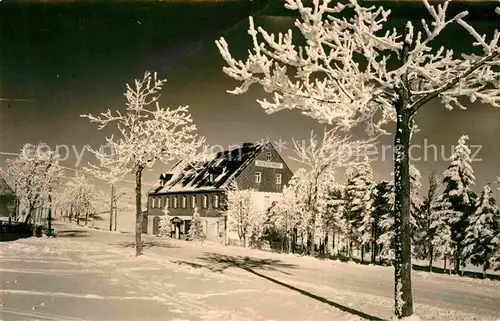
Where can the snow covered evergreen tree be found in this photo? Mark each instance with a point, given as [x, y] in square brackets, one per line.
[387, 238]
[357, 204]
[457, 201]
[195, 232]
[479, 243]
[164, 225]
[341, 75]
[424, 233]
[381, 207]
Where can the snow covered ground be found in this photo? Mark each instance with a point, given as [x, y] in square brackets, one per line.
[85, 274]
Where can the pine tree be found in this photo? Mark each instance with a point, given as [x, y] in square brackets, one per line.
[358, 191]
[195, 232]
[480, 234]
[164, 225]
[457, 201]
[425, 233]
[387, 218]
[381, 206]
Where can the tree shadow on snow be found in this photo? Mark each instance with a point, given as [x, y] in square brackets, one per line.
[72, 233]
[219, 263]
[146, 244]
[471, 274]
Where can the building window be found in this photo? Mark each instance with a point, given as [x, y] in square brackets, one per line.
[152, 202]
[167, 202]
[258, 177]
[184, 202]
[193, 201]
[205, 201]
[278, 179]
[175, 202]
[268, 156]
[216, 201]
[158, 202]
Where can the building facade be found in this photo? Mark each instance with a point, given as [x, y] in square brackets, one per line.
[7, 200]
[251, 166]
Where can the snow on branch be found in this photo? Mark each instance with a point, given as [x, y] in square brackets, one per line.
[342, 73]
[147, 132]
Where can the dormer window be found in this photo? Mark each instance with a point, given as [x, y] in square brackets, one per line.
[268, 156]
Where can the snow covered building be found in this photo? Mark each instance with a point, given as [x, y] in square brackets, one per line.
[251, 166]
[7, 200]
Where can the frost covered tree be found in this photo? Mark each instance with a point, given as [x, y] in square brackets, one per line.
[37, 174]
[483, 226]
[388, 237]
[111, 174]
[352, 70]
[164, 225]
[358, 189]
[425, 233]
[81, 198]
[362, 192]
[322, 158]
[380, 207]
[195, 232]
[147, 133]
[240, 211]
[458, 200]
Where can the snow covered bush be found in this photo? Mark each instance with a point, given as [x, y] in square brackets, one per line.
[195, 232]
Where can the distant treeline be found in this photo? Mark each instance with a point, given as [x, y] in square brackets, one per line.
[407, 9]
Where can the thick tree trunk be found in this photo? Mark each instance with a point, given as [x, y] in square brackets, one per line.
[402, 271]
[111, 203]
[362, 253]
[138, 211]
[457, 260]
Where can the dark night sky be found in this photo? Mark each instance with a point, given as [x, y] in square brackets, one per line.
[74, 58]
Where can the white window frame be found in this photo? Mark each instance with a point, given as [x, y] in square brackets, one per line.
[258, 177]
[175, 202]
[167, 201]
[193, 201]
[158, 201]
[153, 201]
[184, 201]
[205, 201]
[216, 201]
[279, 179]
[268, 156]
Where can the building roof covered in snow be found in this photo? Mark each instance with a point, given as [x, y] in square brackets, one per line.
[5, 189]
[214, 174]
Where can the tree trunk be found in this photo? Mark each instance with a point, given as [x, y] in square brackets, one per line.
[86, 217]
[402, 272]
[444, 267]
[138, 211]
[431, 257]
[362, 253]
[485, 265]
[116, 214]
[49, 218]
[111, 203]
[33, 220]
[457, 260]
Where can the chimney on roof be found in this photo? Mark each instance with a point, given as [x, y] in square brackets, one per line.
[247, 145]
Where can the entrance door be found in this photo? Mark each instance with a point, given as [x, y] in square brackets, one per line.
[156, 225]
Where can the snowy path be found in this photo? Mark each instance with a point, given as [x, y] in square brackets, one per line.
[211, 282]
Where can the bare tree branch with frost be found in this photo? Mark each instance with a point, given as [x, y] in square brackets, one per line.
[322, 158]
[354, 70]
[147, 133]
